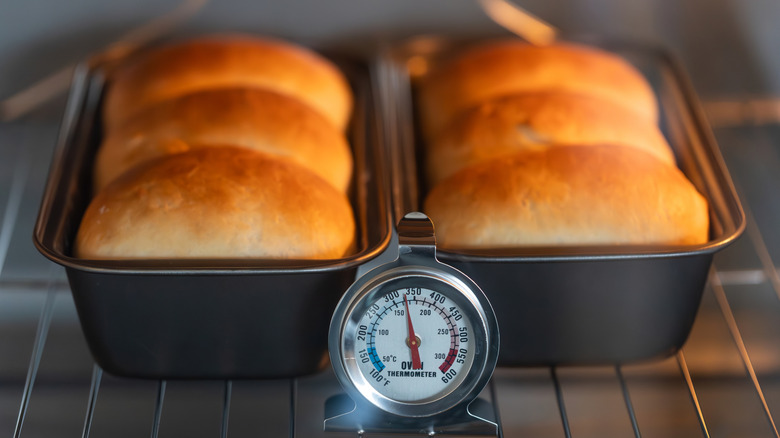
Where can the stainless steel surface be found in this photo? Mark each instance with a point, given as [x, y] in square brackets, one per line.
[449, 408]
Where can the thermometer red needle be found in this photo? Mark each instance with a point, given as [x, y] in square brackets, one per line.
[413, 344]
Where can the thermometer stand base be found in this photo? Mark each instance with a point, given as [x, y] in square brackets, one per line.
[342, 414]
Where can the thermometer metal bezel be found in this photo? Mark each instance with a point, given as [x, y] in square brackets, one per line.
[432, 275]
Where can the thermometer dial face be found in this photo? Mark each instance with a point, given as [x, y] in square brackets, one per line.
[413, 344]
[414, 341]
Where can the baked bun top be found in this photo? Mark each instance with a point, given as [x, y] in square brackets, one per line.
[511, 123]
[500, 67]
[568, 195]
[255, 118]
[213, 62]
[222, 202]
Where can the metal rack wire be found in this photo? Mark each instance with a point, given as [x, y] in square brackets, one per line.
[568, 401]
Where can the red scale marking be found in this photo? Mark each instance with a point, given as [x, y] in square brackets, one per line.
[449, 360]
[454, 344]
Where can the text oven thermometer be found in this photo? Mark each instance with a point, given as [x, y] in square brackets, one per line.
[413, 342]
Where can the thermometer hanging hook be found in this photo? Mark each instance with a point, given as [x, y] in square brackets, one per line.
[416, 235]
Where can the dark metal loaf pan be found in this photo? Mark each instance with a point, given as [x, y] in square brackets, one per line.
[582, 305]
[205, 318]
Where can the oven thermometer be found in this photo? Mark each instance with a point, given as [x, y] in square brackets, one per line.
[413, 343]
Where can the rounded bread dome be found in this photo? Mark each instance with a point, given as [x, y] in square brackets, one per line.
[221, 202]
[568, 195]
[511, 123]
[255, 118]
[508, 66]
[211, 62]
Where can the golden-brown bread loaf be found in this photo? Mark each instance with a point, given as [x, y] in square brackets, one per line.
[221, 202]
[501, 67]
[515, 122]
[568, 195]
[250, 117]
[227, 61]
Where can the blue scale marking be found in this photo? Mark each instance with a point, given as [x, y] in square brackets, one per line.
[372, 342]
[375, 359]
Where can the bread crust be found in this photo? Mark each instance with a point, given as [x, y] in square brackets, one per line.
[220, 61]
[511, 123]
[221, 202]
[250, 117]
[504, 66]
[568, 195]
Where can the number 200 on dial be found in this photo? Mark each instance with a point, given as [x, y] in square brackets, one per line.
[413, 344]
